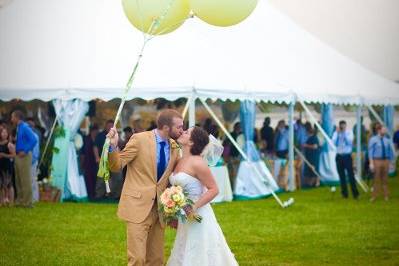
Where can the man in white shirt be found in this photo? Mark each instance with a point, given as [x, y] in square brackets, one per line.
[343, 140]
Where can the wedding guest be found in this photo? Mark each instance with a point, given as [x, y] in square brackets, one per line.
[396, 139]
[363, 139]
[380, 154]
[7, 153]
[301, 133]
[343, 139]
[88, 160]
[128, 133]
[152, 126]
[98, 147]
[281, 140]
[233, 156]
[35, 160]
[312, 155]
[207, 125]
[25, 142]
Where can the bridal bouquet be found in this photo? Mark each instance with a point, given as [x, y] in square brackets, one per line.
[175, 204]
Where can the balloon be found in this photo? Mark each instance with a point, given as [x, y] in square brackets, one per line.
[142, 14]
[223, 12]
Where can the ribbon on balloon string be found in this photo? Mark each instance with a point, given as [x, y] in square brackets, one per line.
[104, 170]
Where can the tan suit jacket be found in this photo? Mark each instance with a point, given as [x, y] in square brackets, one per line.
[141, 188]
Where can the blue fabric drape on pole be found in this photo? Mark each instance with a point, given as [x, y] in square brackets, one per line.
[389, 112]
[247, 118]
[65, 173]
[327, 122]
[254, 180]
[327, 165]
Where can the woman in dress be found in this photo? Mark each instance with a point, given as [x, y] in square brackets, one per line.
[312, 147]
[88, 160]
[7, 152]
[196, 243]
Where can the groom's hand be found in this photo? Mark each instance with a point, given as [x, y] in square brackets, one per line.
[113, 137]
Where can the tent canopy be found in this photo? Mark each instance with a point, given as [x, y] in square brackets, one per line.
[86, 49]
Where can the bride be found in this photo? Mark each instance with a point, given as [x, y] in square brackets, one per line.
[198, 243]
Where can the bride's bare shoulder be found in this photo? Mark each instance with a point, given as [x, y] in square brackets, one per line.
[198, 162]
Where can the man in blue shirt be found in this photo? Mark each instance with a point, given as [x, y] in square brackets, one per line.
[25, 142]
[282, 140]
[380, 154]
[343, 140]
[35, 159]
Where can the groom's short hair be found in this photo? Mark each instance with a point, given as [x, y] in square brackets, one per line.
[165, 118]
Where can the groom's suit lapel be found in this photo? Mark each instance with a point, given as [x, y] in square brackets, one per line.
[153, 159]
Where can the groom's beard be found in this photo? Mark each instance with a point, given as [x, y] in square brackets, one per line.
[173, 135]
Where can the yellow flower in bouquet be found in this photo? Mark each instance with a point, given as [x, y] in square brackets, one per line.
[175, 204]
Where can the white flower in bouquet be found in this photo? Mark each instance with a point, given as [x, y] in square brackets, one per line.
[78, 141]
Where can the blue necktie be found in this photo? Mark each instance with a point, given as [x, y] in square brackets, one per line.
[384, 155]
[162, 161]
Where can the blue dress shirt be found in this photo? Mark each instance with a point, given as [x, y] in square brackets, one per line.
[343, 141]
[378, 146]
[26, 139]
[282, 141]
[159, 139]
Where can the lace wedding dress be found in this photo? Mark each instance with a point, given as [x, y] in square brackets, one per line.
[201, 244]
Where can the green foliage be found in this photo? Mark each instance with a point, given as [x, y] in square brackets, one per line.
[59, 132]
[46, 166]
[321, 228]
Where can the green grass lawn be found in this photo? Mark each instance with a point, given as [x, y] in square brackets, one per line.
[321, 228]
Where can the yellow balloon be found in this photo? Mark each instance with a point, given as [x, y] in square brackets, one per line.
[170, 14]
[223, 12]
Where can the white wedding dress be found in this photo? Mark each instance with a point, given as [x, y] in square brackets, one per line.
[201, 244]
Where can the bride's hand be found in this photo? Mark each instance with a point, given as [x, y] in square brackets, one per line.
[188, 209]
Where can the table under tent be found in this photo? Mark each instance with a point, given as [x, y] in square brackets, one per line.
[84, 50]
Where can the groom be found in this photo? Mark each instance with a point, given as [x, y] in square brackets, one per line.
[150, 158]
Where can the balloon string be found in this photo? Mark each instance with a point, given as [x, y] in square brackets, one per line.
[104, 170]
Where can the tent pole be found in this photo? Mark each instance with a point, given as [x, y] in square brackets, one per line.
[314, 121]
[185, 110]
[329, 141]
[300, 154]
[379, 119]
[282, 204]
[358, 141]
[291, 172]
[358, 175]
[191, 110]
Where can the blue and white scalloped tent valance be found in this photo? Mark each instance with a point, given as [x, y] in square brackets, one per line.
[89, 54]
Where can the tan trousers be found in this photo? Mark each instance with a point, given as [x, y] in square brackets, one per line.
[381, 170]
[23, 180]
[298, 172]
[145, 241]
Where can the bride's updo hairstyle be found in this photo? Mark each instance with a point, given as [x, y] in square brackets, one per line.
[200, 139]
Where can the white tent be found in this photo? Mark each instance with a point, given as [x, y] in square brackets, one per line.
[86, 49]
[67, 49]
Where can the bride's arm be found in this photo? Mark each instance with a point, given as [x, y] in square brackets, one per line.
[203, 173]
